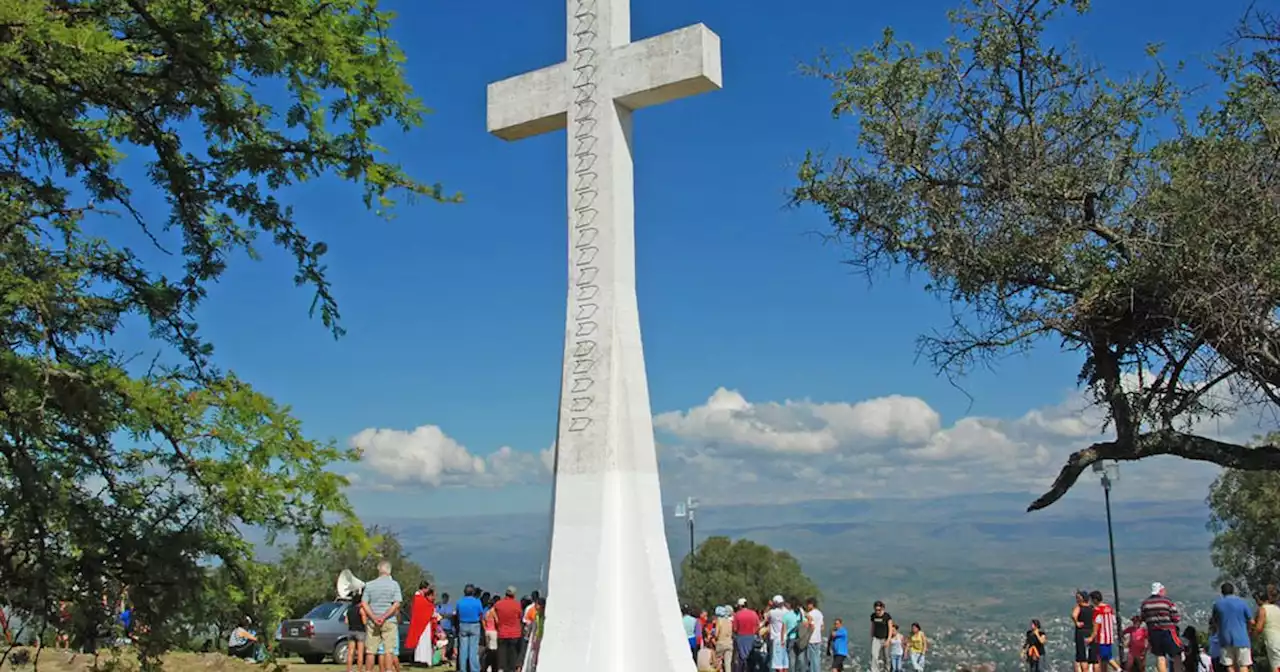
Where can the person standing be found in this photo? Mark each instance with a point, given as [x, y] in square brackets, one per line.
[897, 648]
[881, 626]
[838, 645]
[421, 615]
[724, 639]
[1231, 616]
[1033, 647]
[776, 618]
[383, 598]
[356, 633]
[447, 612]
[690, 624]
[1135, 645]
[1103, 637]
[1161, 617]
[819, 633]
[1267, 626]
[510, 617]
[469, 612]
[797, 651]
[1082, 618]
[746, 627]
[919, 645]
[489, 659]
[530, 624]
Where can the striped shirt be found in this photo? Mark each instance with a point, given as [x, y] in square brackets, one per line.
[1105, 618]
[1160, 613]
[380, 594]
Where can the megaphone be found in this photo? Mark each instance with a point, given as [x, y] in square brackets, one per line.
[348, 585]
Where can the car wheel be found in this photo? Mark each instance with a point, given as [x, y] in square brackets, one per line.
[340, 652]
[313, 658]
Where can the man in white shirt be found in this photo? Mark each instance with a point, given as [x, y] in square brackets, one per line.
[815, 640]
[776, 619]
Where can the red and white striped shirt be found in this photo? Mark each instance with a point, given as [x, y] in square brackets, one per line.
[1105, 617]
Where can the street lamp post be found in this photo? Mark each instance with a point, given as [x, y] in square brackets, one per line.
[1109, 472]
[685, 509]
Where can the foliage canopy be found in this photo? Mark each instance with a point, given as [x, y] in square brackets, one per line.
[1244, 516]
[1046, 200]
[310, 569]
[720, 571]
[135, 468]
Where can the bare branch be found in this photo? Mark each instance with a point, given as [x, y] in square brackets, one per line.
[1165, 442]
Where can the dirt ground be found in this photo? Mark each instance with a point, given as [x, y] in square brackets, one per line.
[51, 660]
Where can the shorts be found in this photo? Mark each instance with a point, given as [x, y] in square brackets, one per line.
[837, 662]
[1082, 648]
[1164, 643]
[1240, 656]
[1104, 653]
[357, 636]
[383, 637]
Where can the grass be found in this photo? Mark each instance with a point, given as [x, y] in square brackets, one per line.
[121, 660]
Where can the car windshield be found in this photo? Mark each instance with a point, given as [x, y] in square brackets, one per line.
[325, 611]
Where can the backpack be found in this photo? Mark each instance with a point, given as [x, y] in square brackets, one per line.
[804, 632]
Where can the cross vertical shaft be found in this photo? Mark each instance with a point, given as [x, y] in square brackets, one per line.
[608, 546]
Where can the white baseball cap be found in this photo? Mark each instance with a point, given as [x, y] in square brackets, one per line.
[777, 599]
[742, 601]
[1156, 588]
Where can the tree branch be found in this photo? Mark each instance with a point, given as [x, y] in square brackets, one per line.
[1165, 442]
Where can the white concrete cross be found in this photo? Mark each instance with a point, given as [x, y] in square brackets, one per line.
[612, 602]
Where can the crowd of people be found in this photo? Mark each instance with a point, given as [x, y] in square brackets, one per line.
[791, 635]
[1158, 632]
[482, 632]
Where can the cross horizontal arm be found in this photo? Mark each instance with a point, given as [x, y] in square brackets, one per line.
[666, 67]
[653, 71]
[530, 104]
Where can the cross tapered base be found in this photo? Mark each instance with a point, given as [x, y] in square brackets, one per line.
[611, 594]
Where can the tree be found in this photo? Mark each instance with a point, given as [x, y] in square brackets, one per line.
[310, 571]
[126, 469]
[720, 571]
[1046, 201]
[1244, 516]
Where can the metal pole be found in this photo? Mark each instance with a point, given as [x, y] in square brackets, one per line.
[691, 548]
[1115, 584]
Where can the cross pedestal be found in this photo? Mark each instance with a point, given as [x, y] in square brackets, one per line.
[611, 596]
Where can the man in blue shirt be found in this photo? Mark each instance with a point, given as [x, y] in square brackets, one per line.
[839, 645]
[1231, 616]
[469, 611]
[448, 612]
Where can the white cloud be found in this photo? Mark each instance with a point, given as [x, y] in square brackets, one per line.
[731, 449]
[428, 456]
[801, 427]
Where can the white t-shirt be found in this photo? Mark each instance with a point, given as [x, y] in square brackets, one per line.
[816, 617]
[777, 623]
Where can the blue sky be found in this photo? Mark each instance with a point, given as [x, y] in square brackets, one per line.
[454, 312]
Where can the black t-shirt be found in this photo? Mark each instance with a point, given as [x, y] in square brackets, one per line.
[355, 619]
[880, 625]
[1033, 642]
[1086, 620]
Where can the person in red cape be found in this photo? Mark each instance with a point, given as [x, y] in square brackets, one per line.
[421, 638]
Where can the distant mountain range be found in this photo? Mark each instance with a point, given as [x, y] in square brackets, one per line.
[955, 562]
